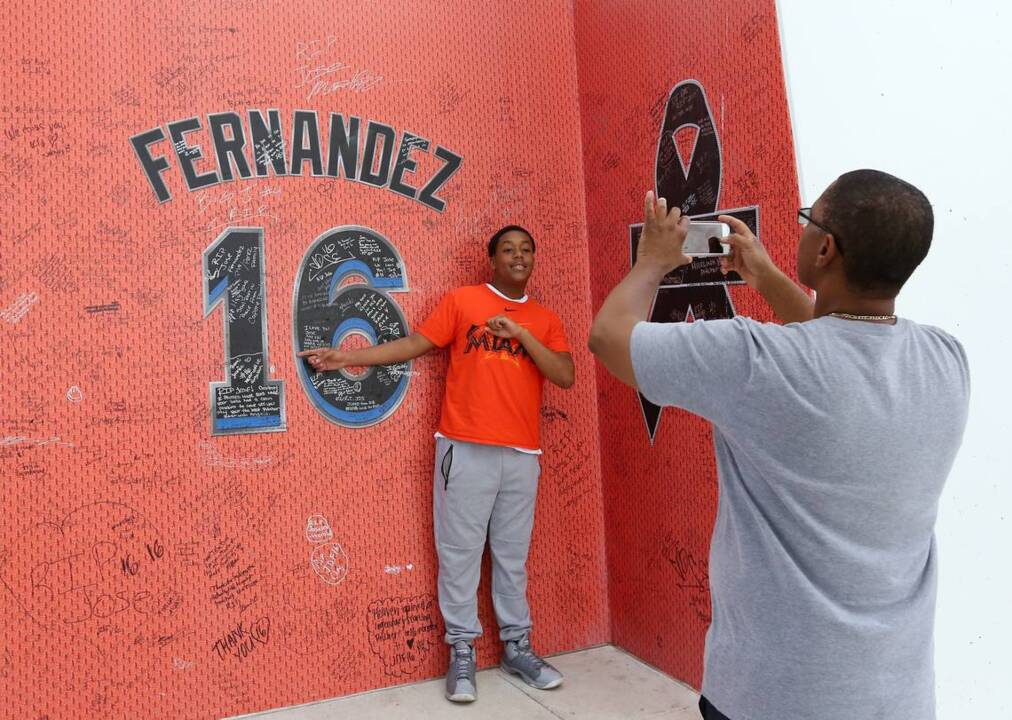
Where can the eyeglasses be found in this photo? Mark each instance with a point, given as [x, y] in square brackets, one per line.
[805, 217]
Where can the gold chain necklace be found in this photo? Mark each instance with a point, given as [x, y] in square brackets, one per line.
[871, 318]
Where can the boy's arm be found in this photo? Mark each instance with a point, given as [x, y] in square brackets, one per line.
[556, 366]
[389, 353]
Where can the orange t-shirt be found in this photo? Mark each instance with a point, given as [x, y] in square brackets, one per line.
[493, 388]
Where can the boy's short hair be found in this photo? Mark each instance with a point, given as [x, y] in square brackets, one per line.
[493, 244]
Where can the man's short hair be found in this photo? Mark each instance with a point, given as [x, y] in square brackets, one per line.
[493, 244]
[884, 225]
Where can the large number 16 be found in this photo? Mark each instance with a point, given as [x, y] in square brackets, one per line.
[325, 311]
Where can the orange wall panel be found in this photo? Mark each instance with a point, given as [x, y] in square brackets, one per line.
[152, 569]
[642, 67]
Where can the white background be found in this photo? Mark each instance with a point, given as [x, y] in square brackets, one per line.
[921, 89]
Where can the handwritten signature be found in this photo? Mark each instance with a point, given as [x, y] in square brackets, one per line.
[323, 78]
[327, 79]
[693, 575]
[328, 258]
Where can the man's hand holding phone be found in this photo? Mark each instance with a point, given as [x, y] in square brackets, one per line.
[748, 257]
[664, 231]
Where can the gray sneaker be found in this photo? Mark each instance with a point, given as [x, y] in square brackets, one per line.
[460, 684]
[519, 659]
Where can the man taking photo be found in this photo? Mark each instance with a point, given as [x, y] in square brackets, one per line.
[834, 434]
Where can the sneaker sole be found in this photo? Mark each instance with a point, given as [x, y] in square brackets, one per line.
[546, 686]
[461, 698]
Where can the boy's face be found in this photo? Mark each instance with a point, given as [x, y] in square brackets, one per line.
[514, 257]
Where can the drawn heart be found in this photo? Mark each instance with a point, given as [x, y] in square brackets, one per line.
[330, 562]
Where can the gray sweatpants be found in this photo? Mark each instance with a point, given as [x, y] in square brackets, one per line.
[483, 491]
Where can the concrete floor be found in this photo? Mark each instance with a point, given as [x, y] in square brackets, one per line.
[604, 683]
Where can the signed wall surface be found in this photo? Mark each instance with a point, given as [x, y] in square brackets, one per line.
[192, 524]
[688, 99]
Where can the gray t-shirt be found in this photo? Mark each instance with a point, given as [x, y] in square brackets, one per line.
[833, 441]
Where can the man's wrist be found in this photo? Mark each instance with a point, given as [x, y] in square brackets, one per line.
[649, 270]
[767, 278]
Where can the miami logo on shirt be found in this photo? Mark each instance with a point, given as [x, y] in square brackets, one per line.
[479, 338]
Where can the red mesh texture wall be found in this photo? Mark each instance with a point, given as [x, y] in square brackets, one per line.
[660, 499]
[152, 570]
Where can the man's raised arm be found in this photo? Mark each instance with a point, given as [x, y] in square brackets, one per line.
[660, 250]
[749, 259]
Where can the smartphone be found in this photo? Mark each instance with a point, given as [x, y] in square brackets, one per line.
[706, 239]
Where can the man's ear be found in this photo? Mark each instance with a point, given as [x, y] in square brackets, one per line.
[827, 250]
